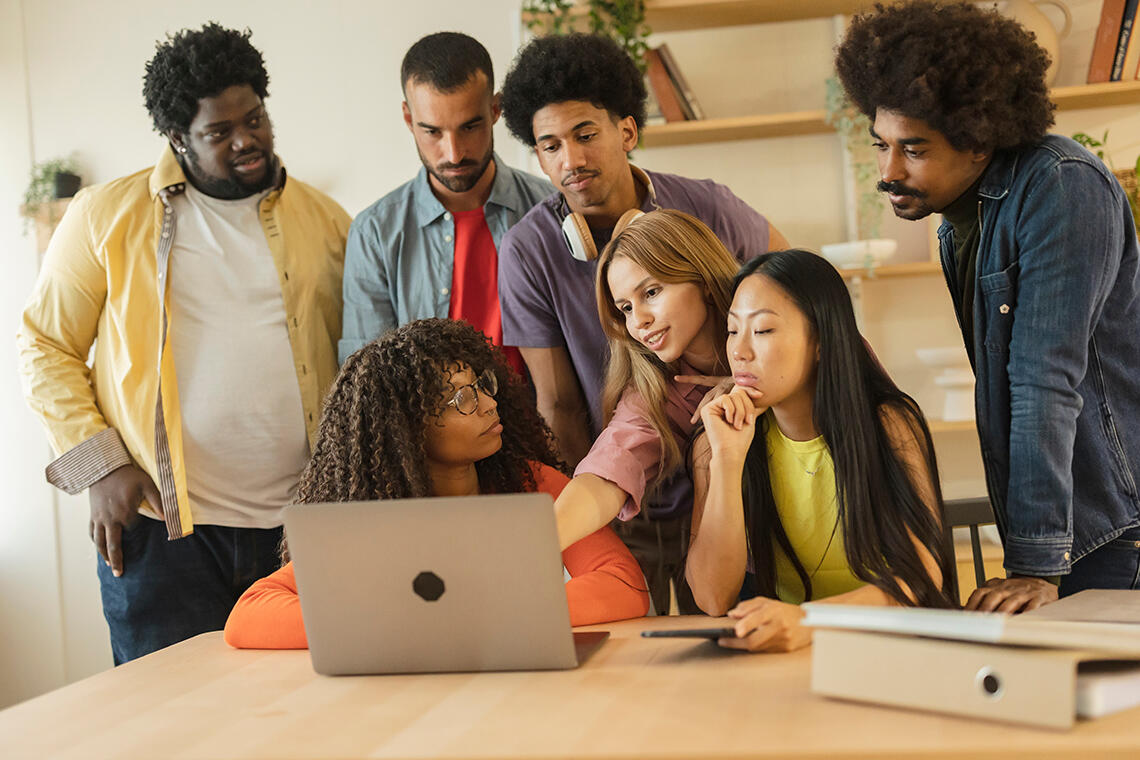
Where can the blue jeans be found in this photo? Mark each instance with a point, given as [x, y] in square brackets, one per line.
[1115, 565]
[173, 590]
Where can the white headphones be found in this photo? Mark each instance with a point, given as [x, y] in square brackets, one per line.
[577, 231]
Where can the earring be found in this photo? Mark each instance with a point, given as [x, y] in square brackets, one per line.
[181, 148]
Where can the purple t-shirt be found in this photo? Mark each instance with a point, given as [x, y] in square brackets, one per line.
[547, 296]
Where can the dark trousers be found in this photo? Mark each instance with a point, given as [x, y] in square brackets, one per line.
[659, 546]
[173, 590]
[1115, 565]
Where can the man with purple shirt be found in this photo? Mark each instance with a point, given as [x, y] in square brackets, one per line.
[579, 100]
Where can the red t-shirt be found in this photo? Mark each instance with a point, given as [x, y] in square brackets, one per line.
[475, 281]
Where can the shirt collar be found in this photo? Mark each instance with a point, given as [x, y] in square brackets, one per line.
[504, 192]
[998, 176]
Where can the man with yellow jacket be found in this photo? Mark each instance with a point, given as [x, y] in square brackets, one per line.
[210, 288]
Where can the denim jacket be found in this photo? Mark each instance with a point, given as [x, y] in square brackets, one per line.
[401, 251]
[1057, 353]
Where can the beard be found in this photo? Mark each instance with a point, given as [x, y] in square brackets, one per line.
[459, 183]
[230, 188]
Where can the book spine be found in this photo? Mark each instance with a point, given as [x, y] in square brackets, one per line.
[1126, 33]
[1107, 35]
[688, 97]
[1132, 57]
[667, 97]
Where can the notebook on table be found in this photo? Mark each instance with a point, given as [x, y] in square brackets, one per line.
[451, 584]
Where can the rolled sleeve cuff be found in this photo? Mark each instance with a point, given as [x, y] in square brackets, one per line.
[88, 462]
[621, 468]
[1040, 557]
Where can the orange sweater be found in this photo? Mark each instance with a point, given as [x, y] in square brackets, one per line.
[606, 584]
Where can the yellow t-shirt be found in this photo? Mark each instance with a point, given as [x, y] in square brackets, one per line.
[803, 486]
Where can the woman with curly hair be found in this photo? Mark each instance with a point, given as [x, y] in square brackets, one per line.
[1041, 258]
[432, 409]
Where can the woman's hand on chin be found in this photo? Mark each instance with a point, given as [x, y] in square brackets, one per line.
[768, 625]
[730, 421]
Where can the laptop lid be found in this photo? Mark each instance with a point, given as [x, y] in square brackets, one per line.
[431, 585]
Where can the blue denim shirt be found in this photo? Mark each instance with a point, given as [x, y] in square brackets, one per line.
[1057, 353]
[400, 252]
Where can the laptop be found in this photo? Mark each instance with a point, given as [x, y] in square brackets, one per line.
[450, 584]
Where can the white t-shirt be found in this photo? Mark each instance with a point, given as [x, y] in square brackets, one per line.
[243, 426]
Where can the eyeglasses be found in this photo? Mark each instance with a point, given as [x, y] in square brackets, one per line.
[466, 398]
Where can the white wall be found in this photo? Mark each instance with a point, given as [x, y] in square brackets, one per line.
[70, 82]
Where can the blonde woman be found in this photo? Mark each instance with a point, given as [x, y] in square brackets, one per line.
[663, 290]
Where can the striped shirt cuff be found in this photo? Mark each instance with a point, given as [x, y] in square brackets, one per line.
[88, 462]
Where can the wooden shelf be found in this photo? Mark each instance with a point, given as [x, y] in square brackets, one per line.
[675, 15]
[735, 128]
[908, 269]
[942, 426]
[811, 122]
[45, 220]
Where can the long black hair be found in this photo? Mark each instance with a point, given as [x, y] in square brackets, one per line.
[881, 513]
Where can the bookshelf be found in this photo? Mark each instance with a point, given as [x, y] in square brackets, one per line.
[676, 15]
[812, 122]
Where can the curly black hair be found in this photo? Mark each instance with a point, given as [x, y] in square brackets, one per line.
[196, 64]
[972, 74]
[556, 69]
[373, 429]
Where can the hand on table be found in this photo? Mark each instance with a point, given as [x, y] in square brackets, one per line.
[115, 501]
[1016, 594]
[768, 625]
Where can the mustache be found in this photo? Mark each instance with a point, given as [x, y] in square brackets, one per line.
[465, 164]
[577, 176]
[898, 188]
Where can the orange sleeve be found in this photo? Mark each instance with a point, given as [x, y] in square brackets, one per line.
[268, 615]
[605, 583]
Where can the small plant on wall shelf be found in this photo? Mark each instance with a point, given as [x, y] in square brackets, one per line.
[621, 20]
[855, 128]
[50, 180]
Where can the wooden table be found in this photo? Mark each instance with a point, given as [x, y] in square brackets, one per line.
[634, 698]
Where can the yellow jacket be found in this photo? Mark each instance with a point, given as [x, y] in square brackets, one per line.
[104, 281]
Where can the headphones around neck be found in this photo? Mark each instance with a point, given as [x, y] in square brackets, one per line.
[577, 231]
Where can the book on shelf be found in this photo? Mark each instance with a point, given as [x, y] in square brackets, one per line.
[661, 85]
[653, 114]
[1131, 68]
[1127, 32]
[689, 101]
[1107, 37]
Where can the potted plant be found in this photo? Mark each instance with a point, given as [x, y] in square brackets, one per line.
[1126, 177]
[855, 129]
[50, 180]
[621, 20]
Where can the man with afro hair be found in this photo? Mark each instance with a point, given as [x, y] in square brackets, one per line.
[579, 101]
[1040, 256]
[209, 285]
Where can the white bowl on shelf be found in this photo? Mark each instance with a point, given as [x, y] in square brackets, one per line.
[954, 377]
[859, 253]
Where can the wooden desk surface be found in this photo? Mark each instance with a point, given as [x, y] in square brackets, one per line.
[634, 698]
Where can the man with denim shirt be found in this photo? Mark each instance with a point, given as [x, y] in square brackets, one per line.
[429, 248]
[1041, 259]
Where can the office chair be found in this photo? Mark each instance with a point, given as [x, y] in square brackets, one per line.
[970, 513]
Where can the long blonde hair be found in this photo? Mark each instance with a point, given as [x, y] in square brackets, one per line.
[673, 247]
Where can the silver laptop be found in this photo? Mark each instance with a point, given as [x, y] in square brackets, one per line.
[433, 585]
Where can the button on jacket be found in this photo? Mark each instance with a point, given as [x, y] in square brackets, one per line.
[104, 282]
[1057, 353]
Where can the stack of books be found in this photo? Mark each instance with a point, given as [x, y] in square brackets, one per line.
[675, 99]
[1078, 658]
[1116, 52]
